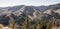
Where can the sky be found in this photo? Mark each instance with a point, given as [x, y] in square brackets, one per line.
[6, 3]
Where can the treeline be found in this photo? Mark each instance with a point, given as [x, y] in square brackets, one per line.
[35, 23]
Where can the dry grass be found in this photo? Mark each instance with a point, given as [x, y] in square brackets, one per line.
[2, 27]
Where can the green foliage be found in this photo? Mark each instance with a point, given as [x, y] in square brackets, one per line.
[12, 22]
[26, 23]
[39, 25]
[49, 25]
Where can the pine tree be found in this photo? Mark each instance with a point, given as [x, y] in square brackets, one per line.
[48, 25]
[40, 25]
[26, 23]
[12, 22]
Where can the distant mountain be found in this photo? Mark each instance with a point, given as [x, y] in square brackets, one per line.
[18, 13]
[55, 8]
[31, 10]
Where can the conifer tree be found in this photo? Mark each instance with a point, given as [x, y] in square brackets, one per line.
[26, 23]
[48, 25]
[12, 22]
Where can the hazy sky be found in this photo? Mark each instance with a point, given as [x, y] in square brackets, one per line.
[5, 3]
